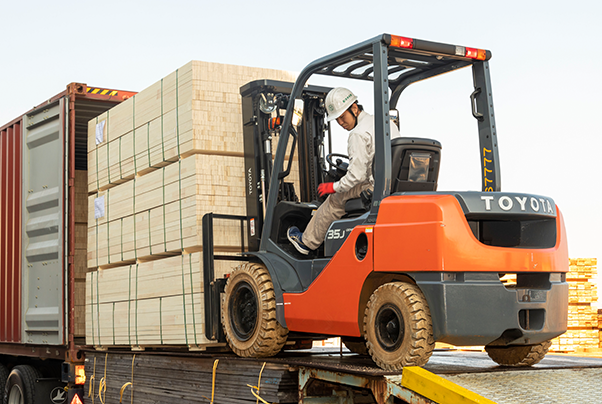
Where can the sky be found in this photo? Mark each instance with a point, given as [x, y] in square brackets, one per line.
[544, 71]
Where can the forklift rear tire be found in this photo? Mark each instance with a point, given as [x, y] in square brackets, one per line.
[524, 355]
[249, 313]
[397, 326]
[20, 385]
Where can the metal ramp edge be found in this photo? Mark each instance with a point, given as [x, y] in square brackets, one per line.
[414, 386]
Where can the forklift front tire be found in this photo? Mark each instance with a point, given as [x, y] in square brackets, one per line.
[398, 327]
[517, 356]
[249, 313]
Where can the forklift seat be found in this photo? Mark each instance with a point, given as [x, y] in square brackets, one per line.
[414, 164]
[414, 168]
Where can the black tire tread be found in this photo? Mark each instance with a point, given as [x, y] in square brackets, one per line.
[271, 336]
[518, 356]
[3, 378]
[29, 374]
[422, 340]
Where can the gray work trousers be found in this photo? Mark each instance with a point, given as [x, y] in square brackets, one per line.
[332, 209]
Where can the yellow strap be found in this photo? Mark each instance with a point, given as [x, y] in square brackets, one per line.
[213, 382]
[123, 389]
[102, 386]
[253, 388]
[91, 385]
[128, 384]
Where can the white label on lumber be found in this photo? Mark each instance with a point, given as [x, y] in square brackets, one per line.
[99, 207]
[100, 129]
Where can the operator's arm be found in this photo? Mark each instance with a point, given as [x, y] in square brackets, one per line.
[360, 152]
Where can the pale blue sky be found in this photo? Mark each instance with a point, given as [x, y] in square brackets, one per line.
[545, 72]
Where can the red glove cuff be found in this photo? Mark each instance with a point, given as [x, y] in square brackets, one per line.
[326, 188]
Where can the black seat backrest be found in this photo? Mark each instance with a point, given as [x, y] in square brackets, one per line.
[415, 164]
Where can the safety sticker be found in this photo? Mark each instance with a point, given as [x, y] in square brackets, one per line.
[102, 91]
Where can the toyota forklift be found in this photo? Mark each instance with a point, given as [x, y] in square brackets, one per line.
[407, 266]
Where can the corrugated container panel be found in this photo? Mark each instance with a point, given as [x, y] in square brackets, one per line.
[43, 229]
[10, 233]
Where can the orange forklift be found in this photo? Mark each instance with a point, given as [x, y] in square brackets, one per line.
[407, 266]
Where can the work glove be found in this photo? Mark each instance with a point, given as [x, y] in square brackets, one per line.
[326, 188]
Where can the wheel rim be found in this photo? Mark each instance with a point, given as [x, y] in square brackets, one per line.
[389, 326]
[16, 395]
[243, 311]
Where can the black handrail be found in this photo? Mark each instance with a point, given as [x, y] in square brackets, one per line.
[212, 288]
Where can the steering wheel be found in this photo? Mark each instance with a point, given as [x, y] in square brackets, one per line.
[339, 164]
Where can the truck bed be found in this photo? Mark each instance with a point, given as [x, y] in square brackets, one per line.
[556, 379]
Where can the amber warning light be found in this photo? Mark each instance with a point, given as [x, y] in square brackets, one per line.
[402, 42]
[478, 54]
[80, 374]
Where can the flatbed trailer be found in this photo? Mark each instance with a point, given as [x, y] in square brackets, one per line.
[336, 376]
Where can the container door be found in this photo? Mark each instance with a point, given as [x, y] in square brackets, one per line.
[10, 233]
[43, 229]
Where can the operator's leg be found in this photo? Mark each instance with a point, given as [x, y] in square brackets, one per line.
[332, 209]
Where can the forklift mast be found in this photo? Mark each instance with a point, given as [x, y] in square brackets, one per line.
[263, 105]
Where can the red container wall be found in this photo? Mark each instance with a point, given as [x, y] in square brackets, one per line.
[10, 233]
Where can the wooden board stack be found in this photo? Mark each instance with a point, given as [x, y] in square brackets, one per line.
[141, 168]
[151, 303]
[157, 163]
[79, 262]
[583, 332]
[600, 327]
[188, 380]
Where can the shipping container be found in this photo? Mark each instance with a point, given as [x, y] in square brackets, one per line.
[41, 153]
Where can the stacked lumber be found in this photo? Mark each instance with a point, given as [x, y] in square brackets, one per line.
[80, 263]
[582, 333]
[600, 327]
[157, 163]
[196, 109]
[161, 212]
[158, 379]
[150, 303]
[162, 159]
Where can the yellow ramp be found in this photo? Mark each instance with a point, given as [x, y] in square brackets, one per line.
[437, 388]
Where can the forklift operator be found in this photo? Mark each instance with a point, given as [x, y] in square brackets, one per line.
[342, 106]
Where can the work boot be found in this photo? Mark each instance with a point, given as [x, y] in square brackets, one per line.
[295, 237]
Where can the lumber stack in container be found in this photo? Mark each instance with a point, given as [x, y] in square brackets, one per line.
[583, 332]
[157, 163]
[80, 261]
[157, 379]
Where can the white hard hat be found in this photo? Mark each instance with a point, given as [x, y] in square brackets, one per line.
[338, 101]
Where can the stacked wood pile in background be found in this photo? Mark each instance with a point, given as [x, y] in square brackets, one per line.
[600, 326]
[583, 332]
[157, 163]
